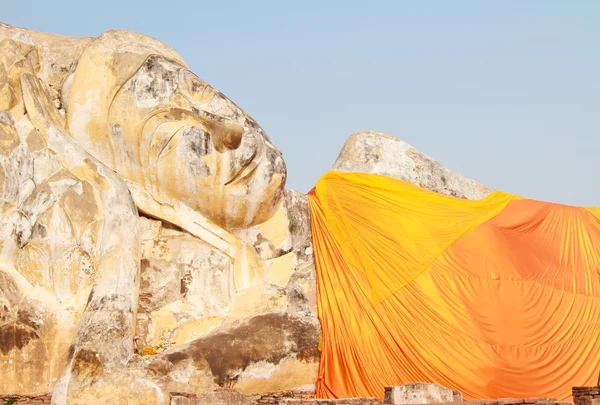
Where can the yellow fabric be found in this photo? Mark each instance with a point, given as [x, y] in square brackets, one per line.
[394, 211]
[495, 298]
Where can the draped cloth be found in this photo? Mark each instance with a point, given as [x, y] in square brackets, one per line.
[496, 298]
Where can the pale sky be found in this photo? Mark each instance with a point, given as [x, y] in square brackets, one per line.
[505, 92]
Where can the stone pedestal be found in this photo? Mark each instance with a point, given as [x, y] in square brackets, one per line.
[420, 393]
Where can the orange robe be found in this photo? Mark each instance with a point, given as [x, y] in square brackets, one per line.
[497, 297]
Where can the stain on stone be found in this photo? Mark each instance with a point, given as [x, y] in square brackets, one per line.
[22, 233]
[70, 353]
[39, 231]
[145, 301]
[26, 318]
[90, 297]
[153, 295]
[196, 144]
[87, 364]
[117, 310]
[266, 249]
[5, 314]
[279, 192]
[177, 357]
[269, 338]
[197, 86]
[144, 266]
[155, 81]
[186, 280]
[160, 367]
[15, 336]
[296, 205]
[9, 288]
[297, 302]
[309, 353]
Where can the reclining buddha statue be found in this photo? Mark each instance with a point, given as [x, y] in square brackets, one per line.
[148, 246]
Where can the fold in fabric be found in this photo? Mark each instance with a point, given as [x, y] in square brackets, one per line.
[494, 298]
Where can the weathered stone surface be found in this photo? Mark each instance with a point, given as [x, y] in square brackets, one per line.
[92, 131]
[270, 352]
[379, 153]
[418, 393]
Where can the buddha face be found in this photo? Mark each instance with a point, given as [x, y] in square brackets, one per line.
[181, 139]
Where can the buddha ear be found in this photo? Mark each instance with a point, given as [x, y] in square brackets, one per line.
[39, 106]
[224, 135]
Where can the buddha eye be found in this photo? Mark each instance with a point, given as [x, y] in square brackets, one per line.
[165, 138]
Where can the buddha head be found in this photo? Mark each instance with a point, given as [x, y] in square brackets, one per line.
[133, 104]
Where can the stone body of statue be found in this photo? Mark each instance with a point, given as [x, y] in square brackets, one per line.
[137, 200]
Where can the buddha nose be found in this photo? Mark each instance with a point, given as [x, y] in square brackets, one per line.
[225, 135]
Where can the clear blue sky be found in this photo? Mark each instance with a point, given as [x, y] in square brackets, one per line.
[505, 92]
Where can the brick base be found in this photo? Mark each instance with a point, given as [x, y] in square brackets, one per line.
[27, 399]
[232, 397]
[586, 395]
[511, 401]
[581, 396]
